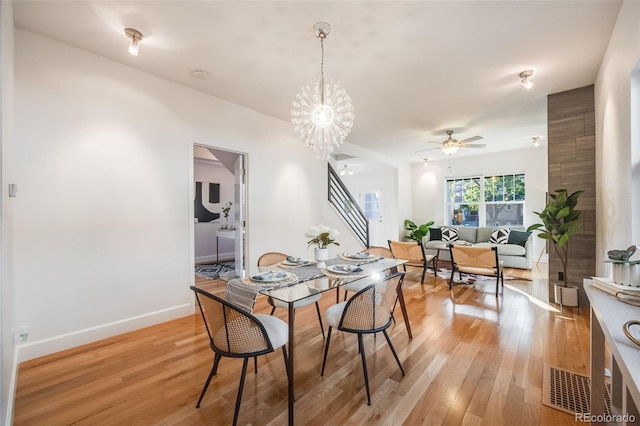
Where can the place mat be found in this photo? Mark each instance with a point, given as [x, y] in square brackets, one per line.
[292, 279]
[285, 266]
[339, 276]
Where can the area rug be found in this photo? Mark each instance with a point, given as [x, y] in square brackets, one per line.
[445, 273]
[212, 271]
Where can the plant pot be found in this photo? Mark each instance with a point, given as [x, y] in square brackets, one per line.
[626, 274]
[321, 254]
[566, 296]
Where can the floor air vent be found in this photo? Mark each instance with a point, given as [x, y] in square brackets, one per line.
[569, 392]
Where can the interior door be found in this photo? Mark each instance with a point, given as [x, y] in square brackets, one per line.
[240, 214]
[372, 204]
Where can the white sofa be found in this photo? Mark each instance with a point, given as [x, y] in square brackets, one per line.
[514, 255]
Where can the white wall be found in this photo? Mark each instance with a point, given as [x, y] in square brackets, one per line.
[105, 208]
[429, 190]
[373, 178]
[204, 232]
[616, 220]
[8, 356]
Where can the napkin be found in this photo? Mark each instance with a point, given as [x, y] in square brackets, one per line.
[297, 260]
[349, 268]
[268, 276]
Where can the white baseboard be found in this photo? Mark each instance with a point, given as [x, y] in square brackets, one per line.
[13, 382]
[209, 259]
[59, 343]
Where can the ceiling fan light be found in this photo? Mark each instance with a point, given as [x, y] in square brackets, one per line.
[449, 149]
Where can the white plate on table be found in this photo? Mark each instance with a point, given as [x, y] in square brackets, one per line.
[270, 277]
[344, 269]
[360, 256]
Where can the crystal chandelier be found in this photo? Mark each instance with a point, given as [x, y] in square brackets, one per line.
[322, 113]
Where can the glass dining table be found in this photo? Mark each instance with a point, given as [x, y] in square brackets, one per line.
[291, 282]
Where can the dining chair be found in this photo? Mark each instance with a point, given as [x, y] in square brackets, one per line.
[235, 333]
[367, 312]
[244, 296]
[476, 261]
[271, 258]
[414, 254]
[358, 285]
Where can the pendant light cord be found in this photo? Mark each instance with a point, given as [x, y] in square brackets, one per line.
[322, 70]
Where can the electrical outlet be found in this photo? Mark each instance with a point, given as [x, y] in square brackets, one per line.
[23, 333]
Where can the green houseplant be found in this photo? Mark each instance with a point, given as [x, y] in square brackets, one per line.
[416, 233]
[560, 221]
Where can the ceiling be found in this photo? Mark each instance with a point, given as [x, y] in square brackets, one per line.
[414, 69]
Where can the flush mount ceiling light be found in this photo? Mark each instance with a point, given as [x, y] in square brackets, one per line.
[346, 170]
[134, 38]
[535, 139]
[524, 75]
[322, 113]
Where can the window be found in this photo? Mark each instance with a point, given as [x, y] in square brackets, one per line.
[371, 206]
[463, 201]
[486, 201]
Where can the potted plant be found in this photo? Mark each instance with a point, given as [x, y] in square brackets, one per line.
[416, 233]
[322, 237]
[560, 221]
[225, 211]
[624, 270]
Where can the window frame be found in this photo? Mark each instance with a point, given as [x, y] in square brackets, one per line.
[517, 195]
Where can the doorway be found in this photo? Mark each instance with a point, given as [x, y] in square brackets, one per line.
[372, 204]
[219, 212]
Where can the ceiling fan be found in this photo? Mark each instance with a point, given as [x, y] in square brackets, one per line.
[451, 146]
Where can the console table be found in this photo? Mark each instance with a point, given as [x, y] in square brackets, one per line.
[229, 234]
[608, 316]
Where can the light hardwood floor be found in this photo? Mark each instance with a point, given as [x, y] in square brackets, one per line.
[474, 360]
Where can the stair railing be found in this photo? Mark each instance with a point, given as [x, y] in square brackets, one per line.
[347, 207]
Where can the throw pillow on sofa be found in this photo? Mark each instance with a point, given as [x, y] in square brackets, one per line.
[518, 237]
[435, 234]
[500, 236]
[449, 234]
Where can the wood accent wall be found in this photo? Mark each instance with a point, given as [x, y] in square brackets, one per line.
[572, 163]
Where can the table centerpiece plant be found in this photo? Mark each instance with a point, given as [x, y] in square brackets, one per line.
[322, 237]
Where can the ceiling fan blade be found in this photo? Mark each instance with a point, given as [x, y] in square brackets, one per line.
[475, 145]
[428, 149]
[472, 139]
